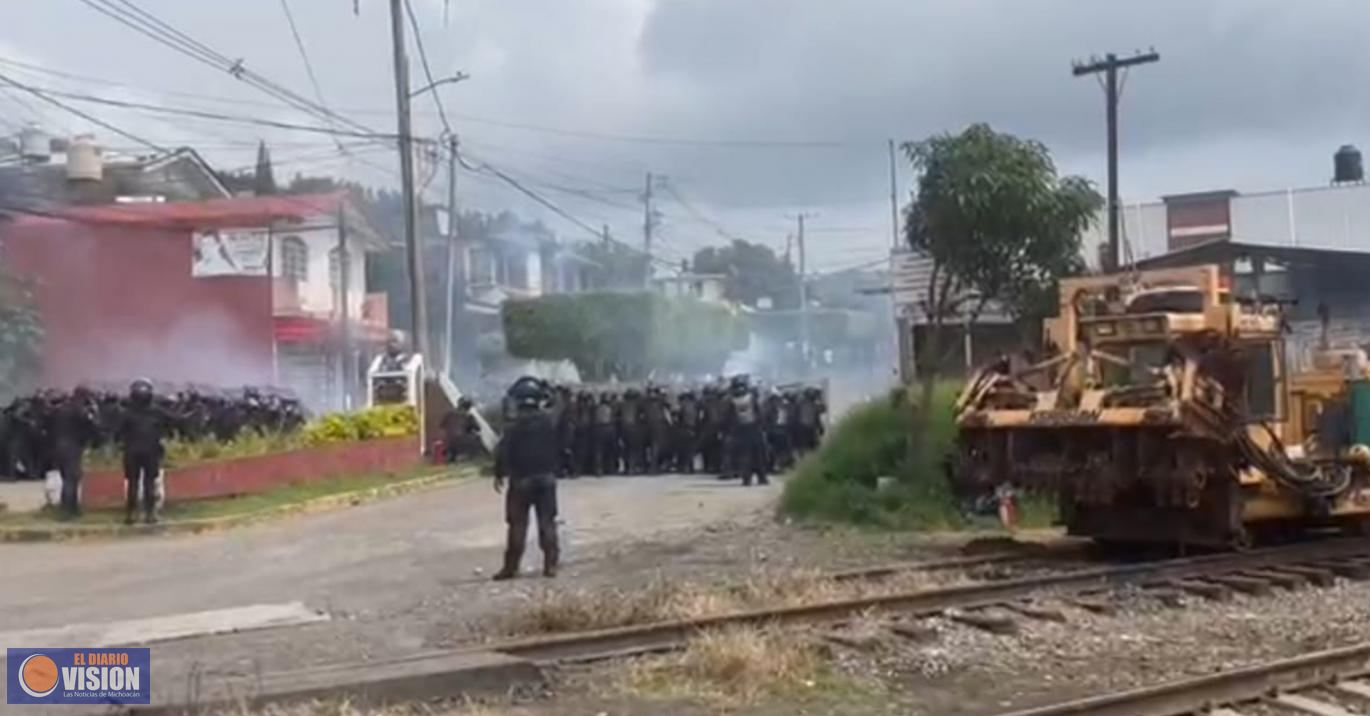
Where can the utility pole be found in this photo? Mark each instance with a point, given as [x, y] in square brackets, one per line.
[648, 222]
[452, 259]
[418, 310]
[346, 374]
[1109, 66]
[894, 202]
[803, 296]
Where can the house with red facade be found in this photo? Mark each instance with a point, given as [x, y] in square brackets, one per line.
[251, 290]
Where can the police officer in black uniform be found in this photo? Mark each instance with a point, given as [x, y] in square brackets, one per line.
[141, 430]
[746, 437]
[528, 456]
[73, 430]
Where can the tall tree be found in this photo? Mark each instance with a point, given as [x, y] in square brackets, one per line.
[753, 272]
[999, 225]
[263, 179]
[21, 336]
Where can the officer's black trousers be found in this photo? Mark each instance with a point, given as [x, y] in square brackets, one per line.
[69, 464]
[140, 474]
[538, 494]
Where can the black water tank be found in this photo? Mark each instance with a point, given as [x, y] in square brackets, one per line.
[1347, 165]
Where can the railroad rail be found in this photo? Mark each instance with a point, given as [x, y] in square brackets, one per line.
[1209, 576]
[1324, 683]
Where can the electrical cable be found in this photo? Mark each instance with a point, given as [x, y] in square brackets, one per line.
[308, 66]
[215, 116]
[88, 117]
[427, 70]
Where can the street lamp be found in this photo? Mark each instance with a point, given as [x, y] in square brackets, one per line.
[458, 77]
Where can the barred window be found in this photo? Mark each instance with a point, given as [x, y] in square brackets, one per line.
[294, 258]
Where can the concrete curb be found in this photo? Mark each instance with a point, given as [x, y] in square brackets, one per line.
[61, 532]
[370, 685]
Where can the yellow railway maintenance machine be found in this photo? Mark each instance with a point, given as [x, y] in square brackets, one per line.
[1167, 412]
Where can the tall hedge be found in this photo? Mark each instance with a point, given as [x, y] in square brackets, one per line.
[623, 334]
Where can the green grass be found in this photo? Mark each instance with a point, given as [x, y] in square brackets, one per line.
[215, 508]
[840, 482]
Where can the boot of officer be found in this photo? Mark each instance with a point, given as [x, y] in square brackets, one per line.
[528, 457]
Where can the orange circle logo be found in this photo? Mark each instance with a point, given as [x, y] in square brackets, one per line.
[38, 675]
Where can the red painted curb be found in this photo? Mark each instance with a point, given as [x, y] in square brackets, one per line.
[262, 473]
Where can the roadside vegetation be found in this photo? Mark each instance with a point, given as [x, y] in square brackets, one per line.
[282, 498]
[554, 611]
[368, 424]
[876, 470]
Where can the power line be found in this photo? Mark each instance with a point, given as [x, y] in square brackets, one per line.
[148, 24]
[423, 60]
[701, 216]
[686, 141]
[486, 167]
[88, 117]
[308, 66]
[214, 116]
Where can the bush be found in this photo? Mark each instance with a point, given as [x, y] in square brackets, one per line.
[627, 334]
[380, 422]
[840, 482]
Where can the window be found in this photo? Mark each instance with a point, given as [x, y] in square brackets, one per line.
[1262, 382]
[294, 259]
[335, 269]
[480, 271]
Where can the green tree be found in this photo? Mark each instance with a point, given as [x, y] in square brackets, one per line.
[620, 266]
[999, 225]
[627, 335]
[21, 336]
[753, 272]
[263, 178]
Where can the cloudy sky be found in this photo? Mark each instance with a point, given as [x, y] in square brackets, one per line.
[754, 110]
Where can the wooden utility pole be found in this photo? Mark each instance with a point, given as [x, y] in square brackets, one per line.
[648, 223]
[418, 309]
[894, 202]
[452, 258]
[345, 371]
[1109, 66]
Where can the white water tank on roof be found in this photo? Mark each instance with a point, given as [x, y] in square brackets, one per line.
[33, 144]
[83, 159]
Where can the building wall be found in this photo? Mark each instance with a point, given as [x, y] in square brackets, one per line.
[120, 302]
[318, 293]
[1328, 217]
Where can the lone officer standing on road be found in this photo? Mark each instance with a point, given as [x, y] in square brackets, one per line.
[528, 456]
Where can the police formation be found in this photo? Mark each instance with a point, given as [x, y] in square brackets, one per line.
[731, 429]
[51, 430]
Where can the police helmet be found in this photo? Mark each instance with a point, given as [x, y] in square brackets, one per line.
[140, 389]
[528, 393]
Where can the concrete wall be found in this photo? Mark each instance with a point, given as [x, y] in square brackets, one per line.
[119, 302]
[318, 293]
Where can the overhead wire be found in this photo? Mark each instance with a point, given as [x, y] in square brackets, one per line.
[84, 115]
[159, 30]
[427, 69]
[483, 166]
[215, 116]
[308, 66]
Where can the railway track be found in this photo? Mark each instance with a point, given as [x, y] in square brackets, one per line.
[1325, 683]
[1210, 577]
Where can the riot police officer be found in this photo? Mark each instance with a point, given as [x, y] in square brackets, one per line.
[528, 457]
[141, 430]
[746, 438]
[73, 430]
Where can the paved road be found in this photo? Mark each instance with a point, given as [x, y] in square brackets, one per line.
[373, 559]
